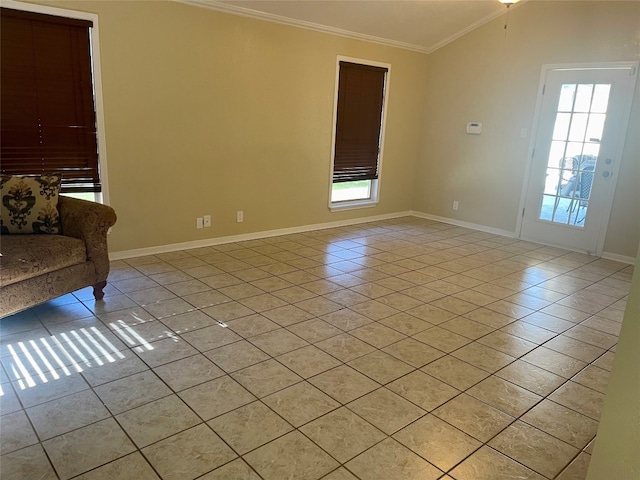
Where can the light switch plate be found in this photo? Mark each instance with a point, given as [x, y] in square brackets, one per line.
[474, 128]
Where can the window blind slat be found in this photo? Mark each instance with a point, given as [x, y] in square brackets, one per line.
[42, 17]
[359, 116]
[47, 113]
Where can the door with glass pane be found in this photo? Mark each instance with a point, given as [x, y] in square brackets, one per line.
[582, 122]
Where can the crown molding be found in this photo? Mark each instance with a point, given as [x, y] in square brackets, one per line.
[270, 17]
[292, 22]
[473, 26]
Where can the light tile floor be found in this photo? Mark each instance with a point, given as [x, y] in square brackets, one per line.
[403, 349]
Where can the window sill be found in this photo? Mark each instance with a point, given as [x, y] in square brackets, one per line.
[352, 205]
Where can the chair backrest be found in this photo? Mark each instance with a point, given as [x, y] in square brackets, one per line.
[586, 181]
[583, 162]
[578, 163]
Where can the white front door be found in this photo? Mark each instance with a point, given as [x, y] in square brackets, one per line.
[582, 122]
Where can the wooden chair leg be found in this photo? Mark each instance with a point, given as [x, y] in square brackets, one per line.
[97, 290]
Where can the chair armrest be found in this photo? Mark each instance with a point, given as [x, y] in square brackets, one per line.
[89, 221]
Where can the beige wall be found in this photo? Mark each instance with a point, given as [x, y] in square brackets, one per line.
[486, 77]
[616, 453]
[210, 113]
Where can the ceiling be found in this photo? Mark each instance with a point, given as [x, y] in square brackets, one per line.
[423, 25]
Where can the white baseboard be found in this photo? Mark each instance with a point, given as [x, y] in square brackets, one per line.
[619, 258]
[140, 252]
[460, 223]
[607, 255]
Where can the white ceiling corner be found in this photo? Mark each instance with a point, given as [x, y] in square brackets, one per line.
[418, 25]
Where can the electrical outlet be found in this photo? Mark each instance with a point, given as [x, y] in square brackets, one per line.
[207, 221]
[199, 222]
[239, 216]
[455, 204]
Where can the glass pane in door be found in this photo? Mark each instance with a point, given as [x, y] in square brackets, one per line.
[580, 119]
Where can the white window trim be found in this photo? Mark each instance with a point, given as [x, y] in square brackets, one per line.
[375, 184]
[102, 197]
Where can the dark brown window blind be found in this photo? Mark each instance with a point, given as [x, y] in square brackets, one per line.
[359, 117]
[47, 114]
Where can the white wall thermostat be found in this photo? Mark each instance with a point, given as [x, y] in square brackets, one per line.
[474, 128]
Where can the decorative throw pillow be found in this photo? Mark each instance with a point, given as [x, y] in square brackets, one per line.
[30, 203]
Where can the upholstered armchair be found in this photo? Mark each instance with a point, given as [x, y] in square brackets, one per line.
[36, 268]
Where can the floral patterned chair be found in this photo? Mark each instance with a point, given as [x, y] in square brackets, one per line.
[35, 268]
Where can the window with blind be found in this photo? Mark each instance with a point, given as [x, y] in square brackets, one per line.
[359, 118]
[47, 112]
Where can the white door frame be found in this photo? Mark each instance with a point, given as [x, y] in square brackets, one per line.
[546, 68]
